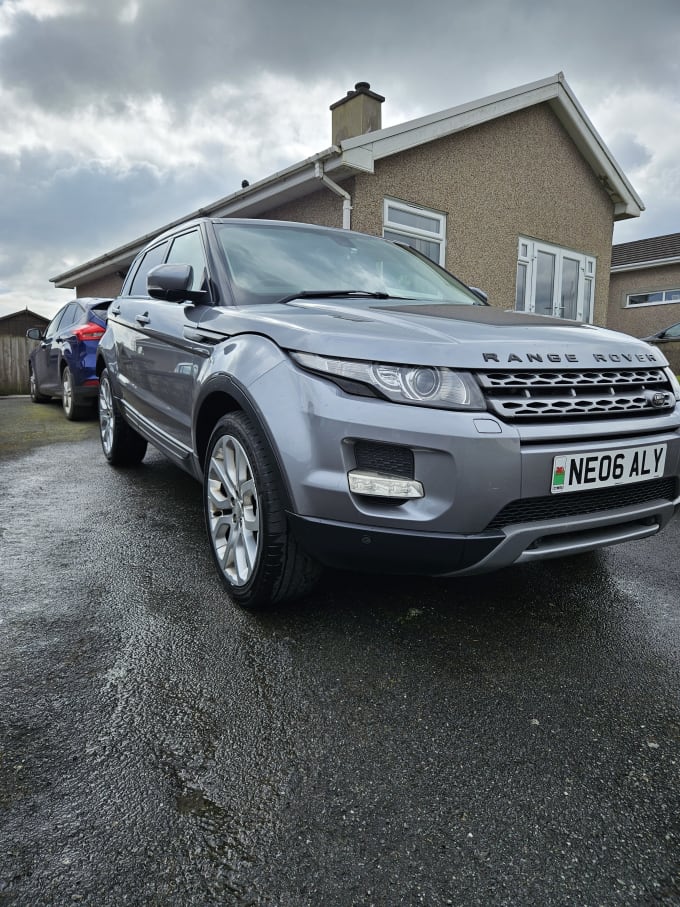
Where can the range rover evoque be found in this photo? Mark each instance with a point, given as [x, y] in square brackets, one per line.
[344, 401]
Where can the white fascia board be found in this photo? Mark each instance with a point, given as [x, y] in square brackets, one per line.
[627, 203]
[360, 158]
[642, 265]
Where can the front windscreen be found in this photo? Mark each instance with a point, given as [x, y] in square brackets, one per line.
[270, 263]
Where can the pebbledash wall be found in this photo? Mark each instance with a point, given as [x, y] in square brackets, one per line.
[641, 321]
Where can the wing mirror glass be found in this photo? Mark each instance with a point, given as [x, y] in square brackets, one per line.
[34, 334]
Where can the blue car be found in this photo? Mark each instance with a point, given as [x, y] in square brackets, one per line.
[64, 362]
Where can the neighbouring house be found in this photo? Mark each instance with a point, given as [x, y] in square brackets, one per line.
[14, 349]
[644, 287]
[515, 193]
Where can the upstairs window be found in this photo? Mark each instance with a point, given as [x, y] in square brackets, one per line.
[420, 228]
[554, 281]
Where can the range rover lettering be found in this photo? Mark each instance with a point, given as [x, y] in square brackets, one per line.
[346, 402]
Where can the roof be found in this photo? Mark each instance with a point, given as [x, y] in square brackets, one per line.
[24, 312]
[646, 253]
[359, 154]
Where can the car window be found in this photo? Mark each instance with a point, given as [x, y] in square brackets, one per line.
[673, 332]
[77, 316]
[187, 249]
[154, 256]
[60, 320]
[51, 328]
[101, 309]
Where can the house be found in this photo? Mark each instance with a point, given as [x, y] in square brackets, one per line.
[515, 193]
[14, 349]
[644, 286]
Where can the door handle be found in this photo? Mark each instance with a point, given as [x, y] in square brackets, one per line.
[142, 319]
[114, 310]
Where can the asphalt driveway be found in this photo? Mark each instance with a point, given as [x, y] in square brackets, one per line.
[503, 740]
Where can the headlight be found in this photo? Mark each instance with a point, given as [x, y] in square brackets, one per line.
[419, 385]
[675, 384]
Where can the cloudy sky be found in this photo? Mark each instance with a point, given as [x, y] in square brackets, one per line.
[117, 117]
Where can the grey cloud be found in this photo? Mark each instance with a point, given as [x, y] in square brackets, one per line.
[423, 57]
[629, 152]
[445, 50]
[55, 203]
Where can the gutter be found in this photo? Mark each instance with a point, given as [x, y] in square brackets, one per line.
[641, 265]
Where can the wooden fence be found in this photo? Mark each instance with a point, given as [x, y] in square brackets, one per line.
[14, 365]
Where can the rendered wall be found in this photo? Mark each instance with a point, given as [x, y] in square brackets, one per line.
[104, 287]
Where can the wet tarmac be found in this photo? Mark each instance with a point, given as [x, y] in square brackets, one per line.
[503, 740]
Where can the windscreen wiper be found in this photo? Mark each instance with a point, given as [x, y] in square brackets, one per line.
[324, 294]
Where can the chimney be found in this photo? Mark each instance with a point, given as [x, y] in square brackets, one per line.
[357, 113]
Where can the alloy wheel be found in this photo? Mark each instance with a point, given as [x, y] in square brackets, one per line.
[106, 416]
[233, 510]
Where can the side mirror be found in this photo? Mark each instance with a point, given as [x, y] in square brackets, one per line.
[172, 283]
[34, 334]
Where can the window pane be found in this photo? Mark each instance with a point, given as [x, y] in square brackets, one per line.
[414, 219]
[152, 258]
[188, 250]
[431, 249]
[570, 271]
[521, 288]
[545, 283]
[672, 296]
[588, 300]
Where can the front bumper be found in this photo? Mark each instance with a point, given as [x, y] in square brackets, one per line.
[397, 552]
[471, 466]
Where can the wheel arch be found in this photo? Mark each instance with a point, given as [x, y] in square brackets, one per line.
[223, 395]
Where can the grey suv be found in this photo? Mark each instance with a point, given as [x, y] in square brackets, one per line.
[345, 401]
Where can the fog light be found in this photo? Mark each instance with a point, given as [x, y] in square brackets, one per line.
[380, 486]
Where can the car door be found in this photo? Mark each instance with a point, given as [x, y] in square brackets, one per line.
[128, 317]
[162, 357]
[47, 354]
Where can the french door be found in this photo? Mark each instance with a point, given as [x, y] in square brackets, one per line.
[554, 281]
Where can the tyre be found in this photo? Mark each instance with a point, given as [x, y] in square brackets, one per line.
[36, 396]
[258, 558]
[72, 410]
[121, 444]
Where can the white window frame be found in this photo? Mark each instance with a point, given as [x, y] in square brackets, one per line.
[664, 301]
[438, 236]
[527, 256]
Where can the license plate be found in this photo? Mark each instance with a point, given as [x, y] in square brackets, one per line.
[578, 472]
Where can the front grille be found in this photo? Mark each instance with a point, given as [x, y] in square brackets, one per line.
[389, 459]
[541, 395]
[531, 510]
